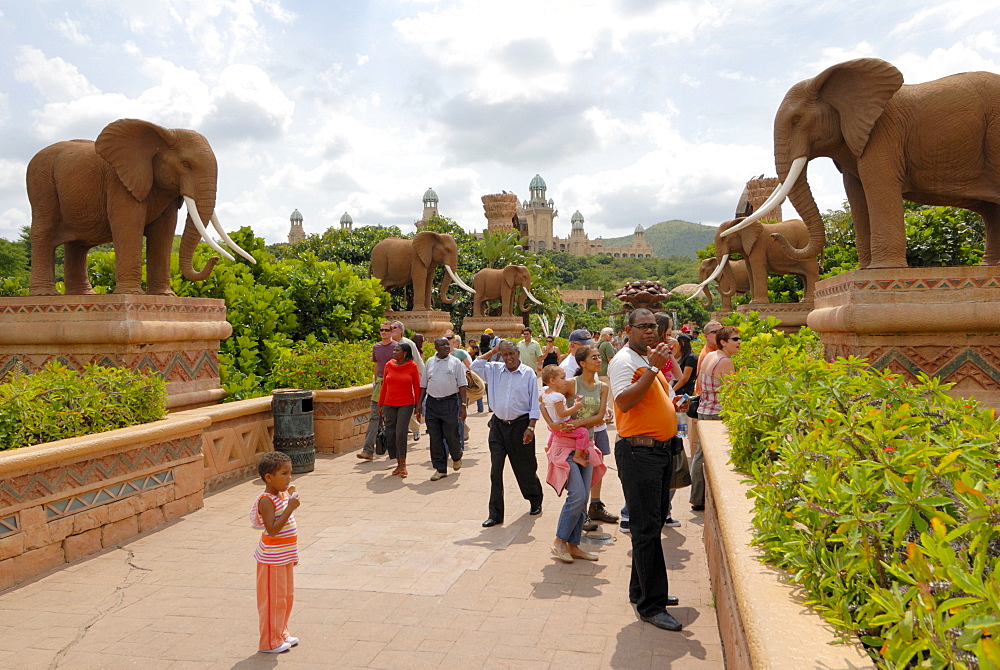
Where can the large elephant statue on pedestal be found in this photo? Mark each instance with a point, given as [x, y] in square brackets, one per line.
[760, 245]
[491, 283]
[734, 280]
[128, 184]
[399, 262]
[936, 143]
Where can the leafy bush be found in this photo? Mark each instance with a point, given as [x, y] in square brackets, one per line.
[58, 402]
[311, 364]
[879, 496]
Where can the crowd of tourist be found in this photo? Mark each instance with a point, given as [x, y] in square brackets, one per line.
[646, 379]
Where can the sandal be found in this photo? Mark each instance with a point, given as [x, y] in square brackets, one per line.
[399, 471]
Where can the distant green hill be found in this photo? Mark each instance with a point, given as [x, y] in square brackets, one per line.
[671, 238]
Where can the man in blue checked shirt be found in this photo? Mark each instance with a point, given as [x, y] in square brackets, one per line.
[513, 395]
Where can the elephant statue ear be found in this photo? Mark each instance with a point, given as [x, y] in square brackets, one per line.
[423, 246]
[859, 90]
[129, 145]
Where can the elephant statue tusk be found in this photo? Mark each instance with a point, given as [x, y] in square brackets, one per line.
[454, 278]
[716, 273]
[531, 297]
[228, 240]
[776, 198]
[192, 208]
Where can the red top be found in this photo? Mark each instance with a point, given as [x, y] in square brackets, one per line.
[400, 385]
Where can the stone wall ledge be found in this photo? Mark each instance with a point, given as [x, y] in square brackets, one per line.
[763, 620]
[16, 461]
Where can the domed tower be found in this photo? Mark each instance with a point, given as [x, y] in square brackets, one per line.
[296, 234]
[577, 236]
[536, 218]
[430, 205]
[640, 247]
[346, 222]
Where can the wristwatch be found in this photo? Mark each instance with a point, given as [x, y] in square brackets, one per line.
[654, 369]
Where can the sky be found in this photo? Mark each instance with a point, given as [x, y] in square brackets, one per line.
[633, 111]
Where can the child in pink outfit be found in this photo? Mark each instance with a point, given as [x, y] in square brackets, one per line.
[556, 385]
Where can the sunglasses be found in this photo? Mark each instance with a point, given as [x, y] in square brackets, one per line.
[734, 339]
[385, 330]
[645, 326]
[711, 332]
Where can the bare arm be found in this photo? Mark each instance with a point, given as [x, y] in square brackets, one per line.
[598, 418]
[266, 508]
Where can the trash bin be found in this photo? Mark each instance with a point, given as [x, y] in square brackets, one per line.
[293, 427]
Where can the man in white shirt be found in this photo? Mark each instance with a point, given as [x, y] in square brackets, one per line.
[530, 351]
[442, 385]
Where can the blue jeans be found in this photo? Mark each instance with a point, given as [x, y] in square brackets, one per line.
[574, 511]
[479, 405]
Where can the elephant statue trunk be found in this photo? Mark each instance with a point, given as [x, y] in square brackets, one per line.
[718, 271]
[189, 241]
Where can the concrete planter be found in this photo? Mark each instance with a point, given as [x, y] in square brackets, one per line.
[763, 620]
[340, 418]
[64, 500]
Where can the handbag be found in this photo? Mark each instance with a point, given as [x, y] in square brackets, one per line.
[476, 387]
[681, 476]
[381, 439]
[693, 403]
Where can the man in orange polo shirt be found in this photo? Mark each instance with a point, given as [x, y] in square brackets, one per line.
[647, 426]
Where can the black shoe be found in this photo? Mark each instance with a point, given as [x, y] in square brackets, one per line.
[662, 620]
[598, 512]
[672, 601]
[489, 523]
[697, 508]
[535, 510]
[590, 525]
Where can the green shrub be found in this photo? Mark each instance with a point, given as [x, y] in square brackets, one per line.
[881, 498]
[58, 402]
[317, 365]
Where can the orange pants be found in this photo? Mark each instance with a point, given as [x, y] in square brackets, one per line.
[275, 594]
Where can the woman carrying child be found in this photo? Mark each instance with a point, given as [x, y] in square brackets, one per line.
[565, 469]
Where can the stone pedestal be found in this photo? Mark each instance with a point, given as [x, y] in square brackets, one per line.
[507, 327]
[430, 324]
[176, 337]
[944, 322]
[792, 315]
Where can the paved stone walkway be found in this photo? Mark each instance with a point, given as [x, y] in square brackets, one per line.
[393, 574]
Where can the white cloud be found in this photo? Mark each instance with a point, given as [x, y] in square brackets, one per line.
[71, 30]
[54, 78]
[11, 222]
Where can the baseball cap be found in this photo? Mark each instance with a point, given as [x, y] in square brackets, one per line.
[581, 336]
[488, 331]
[684, 337]
[607, 331]
[685, 329]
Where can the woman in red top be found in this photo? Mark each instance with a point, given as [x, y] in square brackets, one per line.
[396, 400]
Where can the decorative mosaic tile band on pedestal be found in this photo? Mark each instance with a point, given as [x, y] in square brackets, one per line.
[944, 322]
[176, 337]
[506, 327]
[430, 324]
[792, 315]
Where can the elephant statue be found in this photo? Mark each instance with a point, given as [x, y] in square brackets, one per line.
[128, 184]
[734, 280]
[399, 262]
[491, 284]
[936, 143]
[760, 245]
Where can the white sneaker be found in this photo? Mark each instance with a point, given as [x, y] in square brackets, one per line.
[292, 640]
[285, 646]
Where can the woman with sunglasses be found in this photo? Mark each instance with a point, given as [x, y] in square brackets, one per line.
[717, 366]
[397, 399]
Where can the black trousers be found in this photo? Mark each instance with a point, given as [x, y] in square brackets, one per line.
[397, 427]
[441, 417]
[645, 475]
[506, 441]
